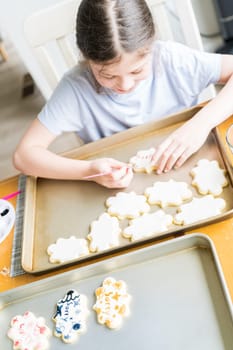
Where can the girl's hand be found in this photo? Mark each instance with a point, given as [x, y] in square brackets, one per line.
[180, 145]
[118, 174]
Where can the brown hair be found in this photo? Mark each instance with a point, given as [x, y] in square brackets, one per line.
[107, 28]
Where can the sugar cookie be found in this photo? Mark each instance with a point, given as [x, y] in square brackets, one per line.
[127, 205]
[104, 233]
[70, 317]
[168, 193]
[29, 332]
[199, 209]
[148, 225]
[208, 177]
[66, 249]
[143, 161]
[112, 303]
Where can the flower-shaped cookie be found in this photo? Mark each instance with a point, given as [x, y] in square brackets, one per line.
[168, 193]
[208, 177]
[70, 317]
[143, 161]
[127, 205]
[104, 233]
[112, 303]
[148, 225]
[66, 249]
[29, 332]
[199, 209]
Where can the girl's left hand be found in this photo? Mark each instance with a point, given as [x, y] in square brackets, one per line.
[180, 145]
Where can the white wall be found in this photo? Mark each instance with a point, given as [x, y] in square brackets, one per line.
[14, 12]
[12, 16]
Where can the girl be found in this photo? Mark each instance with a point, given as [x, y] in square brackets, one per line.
[127, 78]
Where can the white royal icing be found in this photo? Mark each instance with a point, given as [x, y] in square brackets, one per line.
[168, 193]
[70, 317]
[127, 205]
[208, 177]
[66, 249]
[29, 332]
[148, 225]
[112, 303]
[143, 161]
[199, 209]
[7, 218]
[104, 233]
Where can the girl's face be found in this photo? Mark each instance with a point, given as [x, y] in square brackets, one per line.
[124, 75]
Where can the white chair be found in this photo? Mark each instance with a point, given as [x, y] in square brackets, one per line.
[50, 34]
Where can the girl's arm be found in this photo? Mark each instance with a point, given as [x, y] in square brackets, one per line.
[33, 158]
[187, 139]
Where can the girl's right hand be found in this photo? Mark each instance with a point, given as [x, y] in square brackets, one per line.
[118, 174]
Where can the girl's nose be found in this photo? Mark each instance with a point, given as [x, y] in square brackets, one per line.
[125, 83]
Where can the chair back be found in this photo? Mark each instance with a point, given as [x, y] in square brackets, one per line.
[51, 35]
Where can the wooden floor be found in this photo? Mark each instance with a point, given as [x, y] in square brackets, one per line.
[16, 112]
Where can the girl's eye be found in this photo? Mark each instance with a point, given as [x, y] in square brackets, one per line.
[109, 77]
[137, 71]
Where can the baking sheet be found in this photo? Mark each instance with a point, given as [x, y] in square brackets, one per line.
[60, 209]
[179, 299]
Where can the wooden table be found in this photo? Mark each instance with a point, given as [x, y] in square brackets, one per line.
[221, 234]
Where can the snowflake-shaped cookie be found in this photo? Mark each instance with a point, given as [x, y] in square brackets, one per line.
[70, 317]
[208, 177]
[29, 332]
[104, 233]
[143, 161]
[112, 302]
[199, 209]
[168, 193]
[66, 249]
[127, 205]
[148, 225]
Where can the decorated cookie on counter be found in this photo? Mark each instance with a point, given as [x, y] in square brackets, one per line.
[127, 205]
[199, 209]
[148, 225]
[70, 317]
[168, 193]
[104, 233]
[143, 161]
[112, 303]
[67, 249]
[29, 332]
[208, 177]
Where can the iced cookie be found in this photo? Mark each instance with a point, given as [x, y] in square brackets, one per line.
[7, 218]
[148, 225]
[70, 317]
[127, 205]
[208, 177]
[112, 303]
[143, 161]
[66, 249]
[29, 332]
[168, 193]
[199, 209]
[104, 233]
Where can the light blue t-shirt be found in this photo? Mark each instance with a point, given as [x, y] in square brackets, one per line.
[179, 75]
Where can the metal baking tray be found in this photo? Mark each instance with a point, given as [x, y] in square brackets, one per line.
[179, 299]
[56, 208]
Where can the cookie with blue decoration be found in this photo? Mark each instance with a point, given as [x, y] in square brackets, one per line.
[70, 317]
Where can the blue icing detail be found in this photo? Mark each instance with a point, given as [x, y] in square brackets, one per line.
[68, 317]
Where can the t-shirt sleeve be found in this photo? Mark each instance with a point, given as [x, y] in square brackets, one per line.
[62, 113]
[192, 70]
